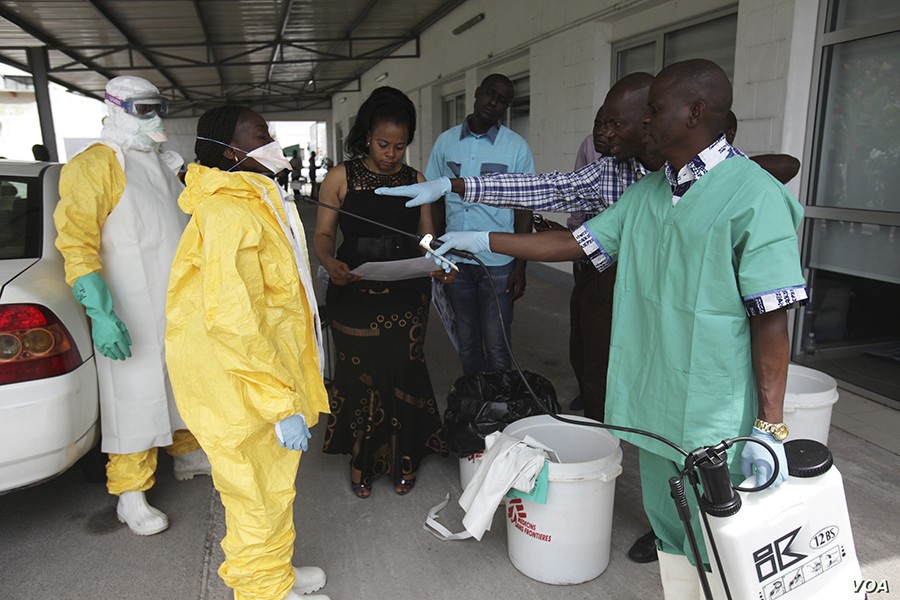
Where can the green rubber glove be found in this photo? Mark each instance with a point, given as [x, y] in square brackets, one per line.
[109, 332]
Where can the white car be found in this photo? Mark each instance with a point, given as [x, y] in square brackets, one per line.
[49, 408]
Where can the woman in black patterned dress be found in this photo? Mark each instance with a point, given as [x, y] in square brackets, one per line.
[383, 411]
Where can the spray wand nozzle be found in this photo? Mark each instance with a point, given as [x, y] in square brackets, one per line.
[430, 244]
[426, 241]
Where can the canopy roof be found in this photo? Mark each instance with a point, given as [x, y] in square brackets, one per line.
[272, 55]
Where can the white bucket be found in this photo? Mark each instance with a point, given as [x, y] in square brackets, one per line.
[808, 400]
[467, 467]
[566, 540]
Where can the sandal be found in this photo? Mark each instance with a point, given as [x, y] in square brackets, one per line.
[404, 486]
[362, 490]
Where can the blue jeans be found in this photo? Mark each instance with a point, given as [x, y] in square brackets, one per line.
[481, 345]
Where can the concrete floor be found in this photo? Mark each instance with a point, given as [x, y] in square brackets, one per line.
[61, 539]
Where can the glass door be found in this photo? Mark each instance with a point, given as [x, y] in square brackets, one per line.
[851, 328]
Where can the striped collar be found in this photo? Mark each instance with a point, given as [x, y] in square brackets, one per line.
[699, 166]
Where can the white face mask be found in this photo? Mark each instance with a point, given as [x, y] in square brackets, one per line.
[270, 156]
[153, 128]
[131, 132]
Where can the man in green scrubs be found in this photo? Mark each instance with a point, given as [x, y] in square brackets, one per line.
[708, 263]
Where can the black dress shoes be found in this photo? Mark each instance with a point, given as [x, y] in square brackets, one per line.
[644, 549]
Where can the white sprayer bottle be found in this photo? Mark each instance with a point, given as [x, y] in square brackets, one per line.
[794, 541]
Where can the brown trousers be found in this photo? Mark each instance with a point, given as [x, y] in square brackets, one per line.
[590, 325]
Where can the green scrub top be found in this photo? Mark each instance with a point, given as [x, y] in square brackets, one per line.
[680, 363]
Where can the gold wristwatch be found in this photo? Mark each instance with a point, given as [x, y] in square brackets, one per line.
[778, 430]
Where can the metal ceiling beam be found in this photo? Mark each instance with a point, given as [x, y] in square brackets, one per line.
[100, 7]
[360, 18]
[368, 56]
[210, 49]
[252, 92]
[165, 58]
[51, 42]
[259, 103]
[244, 43]
[285, 17]
[417, 29]
[246, 94]
[442, 11]
[297, 85]
[348, 35]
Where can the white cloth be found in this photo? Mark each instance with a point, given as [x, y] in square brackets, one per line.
[508, 463]
[138, 242]
[294, 232]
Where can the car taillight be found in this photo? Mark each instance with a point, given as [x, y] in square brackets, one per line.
[34, 344]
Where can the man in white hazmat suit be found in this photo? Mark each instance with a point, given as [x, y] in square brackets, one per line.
[118, 225]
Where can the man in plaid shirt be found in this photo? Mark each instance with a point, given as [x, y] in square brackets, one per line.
[592, 188]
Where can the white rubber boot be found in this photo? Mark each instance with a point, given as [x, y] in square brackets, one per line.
[292, 595]
[191, 464]
[679, 578]
[308, 580]
[140, 517]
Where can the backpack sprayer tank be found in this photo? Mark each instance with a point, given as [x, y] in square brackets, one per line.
[792, 542]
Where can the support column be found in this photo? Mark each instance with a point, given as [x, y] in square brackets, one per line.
[39, 63]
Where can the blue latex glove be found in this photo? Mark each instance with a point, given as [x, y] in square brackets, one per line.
[473, 241]
[108, 331]
[293, 433]
[755, 456]
[442, 263]
[421, 193]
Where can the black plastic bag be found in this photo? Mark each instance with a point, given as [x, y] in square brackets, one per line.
[480, 404]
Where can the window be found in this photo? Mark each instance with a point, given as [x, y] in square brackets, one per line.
[711, 39]
[849, 13]
[851, 245]
[21, 83]
[453, 110]
[858, 166]
[639, 58]
[520, 108]
[20, 218]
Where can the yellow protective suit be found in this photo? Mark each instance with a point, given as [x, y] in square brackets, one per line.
[243, 354]
[98, 221]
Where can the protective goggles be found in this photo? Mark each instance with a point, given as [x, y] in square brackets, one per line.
[142, 107]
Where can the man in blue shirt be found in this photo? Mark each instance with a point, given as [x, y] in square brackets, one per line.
[481, 145]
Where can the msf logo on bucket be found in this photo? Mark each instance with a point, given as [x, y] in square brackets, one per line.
[516, 514]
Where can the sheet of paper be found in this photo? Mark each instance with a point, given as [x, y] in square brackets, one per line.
[395, 270]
